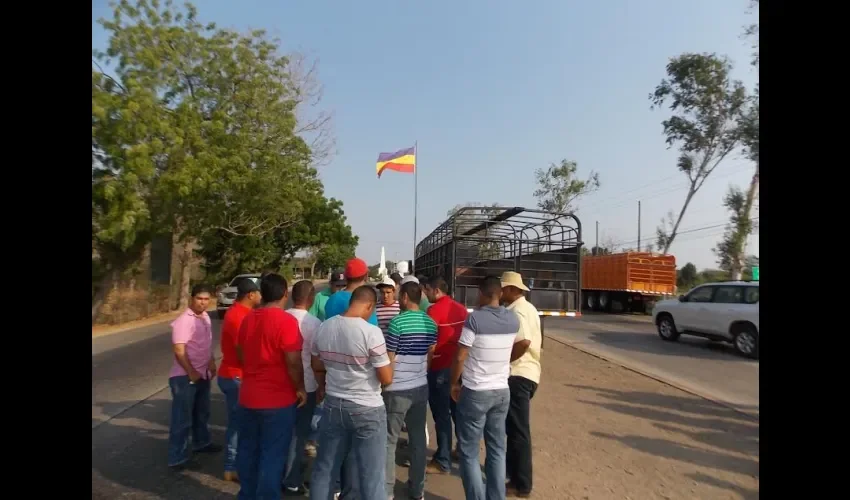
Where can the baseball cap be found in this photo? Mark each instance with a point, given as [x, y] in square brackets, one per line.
[245, 286]
[356, 268]
[410, 279]
[338, 277]
[387, 281]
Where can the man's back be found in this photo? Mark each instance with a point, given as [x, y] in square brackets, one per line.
[338, 304]
[410, 335]
[351, 349]
[528, 365]
[319, 303]
[309, 325]
[449, 315]
[264, 336]
[489, 332]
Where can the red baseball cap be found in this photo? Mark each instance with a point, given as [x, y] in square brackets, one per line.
[356, 268]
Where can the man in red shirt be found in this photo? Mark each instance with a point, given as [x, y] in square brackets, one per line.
[230, 371]
[269, 347]
[449, 316]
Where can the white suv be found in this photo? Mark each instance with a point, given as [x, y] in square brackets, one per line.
[725, 311]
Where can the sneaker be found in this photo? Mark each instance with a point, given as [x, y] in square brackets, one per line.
[294, 492]
[434, 468]
[511, 491]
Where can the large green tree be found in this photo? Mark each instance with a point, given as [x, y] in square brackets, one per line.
[559, 188]
[196, 134]
[705, 103]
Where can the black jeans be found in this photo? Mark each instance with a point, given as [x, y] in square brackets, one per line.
[518, 427]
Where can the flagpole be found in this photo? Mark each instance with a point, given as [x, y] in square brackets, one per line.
[415, 201]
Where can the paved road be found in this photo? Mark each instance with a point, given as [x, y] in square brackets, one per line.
[709, 369]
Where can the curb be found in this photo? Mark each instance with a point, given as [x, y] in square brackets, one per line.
[656, 378]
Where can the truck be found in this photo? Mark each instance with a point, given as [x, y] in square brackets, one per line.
[474, 242]
[626, 282]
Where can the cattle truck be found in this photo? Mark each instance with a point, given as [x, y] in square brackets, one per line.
[474, 242]
[626, 282]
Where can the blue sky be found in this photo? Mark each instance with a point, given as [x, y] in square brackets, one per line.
[494, 89]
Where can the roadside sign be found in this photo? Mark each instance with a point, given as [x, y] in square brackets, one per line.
[755, 273]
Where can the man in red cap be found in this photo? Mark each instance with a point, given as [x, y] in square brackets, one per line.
[356, 272]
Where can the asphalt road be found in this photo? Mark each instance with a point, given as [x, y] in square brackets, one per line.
[709, 369]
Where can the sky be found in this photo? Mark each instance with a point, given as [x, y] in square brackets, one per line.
[492, 90]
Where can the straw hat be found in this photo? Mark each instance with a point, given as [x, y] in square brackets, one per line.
[511, 278]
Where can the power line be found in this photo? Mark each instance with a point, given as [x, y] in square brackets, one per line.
[684, 232]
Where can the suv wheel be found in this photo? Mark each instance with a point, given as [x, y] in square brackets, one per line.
[667, 328]
[746, 341]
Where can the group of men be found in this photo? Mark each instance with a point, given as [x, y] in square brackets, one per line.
[374, 361]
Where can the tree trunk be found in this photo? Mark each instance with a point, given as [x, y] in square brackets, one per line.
[669, 243]
[105, 286]
[738, 260]
[185, 275]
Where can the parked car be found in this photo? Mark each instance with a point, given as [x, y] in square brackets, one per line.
[725, 311]
[227, 295]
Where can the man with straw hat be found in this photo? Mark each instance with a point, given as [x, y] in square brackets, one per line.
[525, 375]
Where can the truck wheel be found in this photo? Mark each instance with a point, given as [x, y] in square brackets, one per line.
[667, 328]
[746, 340]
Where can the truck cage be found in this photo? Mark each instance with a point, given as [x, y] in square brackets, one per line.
[544, 247]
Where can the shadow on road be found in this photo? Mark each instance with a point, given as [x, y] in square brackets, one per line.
[129, 455]
[692, 347]
[721, 438]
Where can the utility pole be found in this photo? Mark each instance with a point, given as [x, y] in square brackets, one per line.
[639, 249]
[596, 248]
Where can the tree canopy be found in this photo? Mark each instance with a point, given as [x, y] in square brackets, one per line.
[195, 133]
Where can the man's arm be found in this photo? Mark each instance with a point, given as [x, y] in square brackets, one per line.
[291, 344]
[522, 340]
[319, 372]
[392, 339]
[183, 359]
[181, 334]
[378, 356]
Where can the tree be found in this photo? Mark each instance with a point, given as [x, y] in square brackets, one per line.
[687, 276]
[558, 187]
[706, 104]
[752, 32]
[197, 134]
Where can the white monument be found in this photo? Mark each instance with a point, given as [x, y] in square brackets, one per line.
[382, 267]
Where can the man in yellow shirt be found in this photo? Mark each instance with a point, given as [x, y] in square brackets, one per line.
[525, 375]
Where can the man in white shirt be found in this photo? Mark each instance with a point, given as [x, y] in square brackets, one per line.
[484, 359]
[303, 295]
[351, 364]
[525, 375]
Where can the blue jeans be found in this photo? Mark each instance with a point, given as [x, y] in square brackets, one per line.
[482, 414]
[190, 416]
[264, 437]
[230, 388]
[444, 412]
[359, 430]
[409, 406]
[295, 464]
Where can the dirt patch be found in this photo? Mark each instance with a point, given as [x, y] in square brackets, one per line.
[601, 431]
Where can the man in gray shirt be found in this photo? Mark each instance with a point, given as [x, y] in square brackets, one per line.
[349, 358]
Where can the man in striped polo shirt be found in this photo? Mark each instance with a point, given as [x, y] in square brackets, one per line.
[484, 359]
[411, 337]
[387, 307]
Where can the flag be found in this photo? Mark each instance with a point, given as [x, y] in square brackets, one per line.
[401, 161]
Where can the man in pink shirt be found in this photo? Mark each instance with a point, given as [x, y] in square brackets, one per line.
[193, 369]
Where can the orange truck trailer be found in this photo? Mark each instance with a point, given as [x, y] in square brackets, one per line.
[626, 282]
